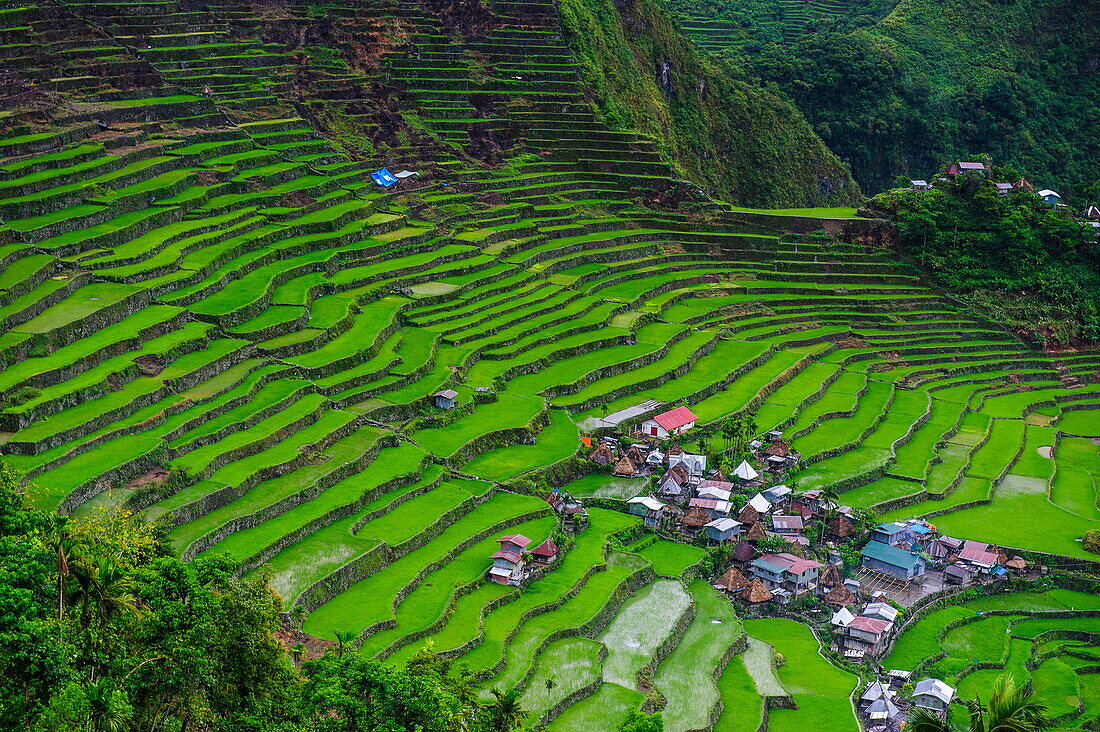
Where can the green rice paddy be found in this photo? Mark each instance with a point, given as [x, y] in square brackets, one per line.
[211, 315]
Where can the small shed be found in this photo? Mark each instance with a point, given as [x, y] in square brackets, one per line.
[694, 464]
[748, 515]
[964, 166]
[881, 610]
[876, 690]
[933, 694]
[712, 491]
[744, 472]
[956, 574]
[714, 507]
[1003, 188]
[722, 529]
[694, 520]
[674, 482]
[888, 533]
[839, 597]
[445, 399]
[882, 713]
[919, 185]
[830, 578]
[756, 592]
[731, 581]
[761, 504]
[787, 525]
[1049, 197]
[743, 552]
[546, 552]
[755, 532]
[641, 505]
[842, 617]
[1092, 213]
[603, 455]
[777, 493]
[625, 467]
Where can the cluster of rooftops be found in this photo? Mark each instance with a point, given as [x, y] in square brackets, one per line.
[513, 561]
[962, 167]
[883, 708]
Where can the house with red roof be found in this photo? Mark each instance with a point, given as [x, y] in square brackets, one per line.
[866, 636]
[509, 562]
[979, 554]
[546, 552]
[787, 573]
[665, 425]
[961, 166]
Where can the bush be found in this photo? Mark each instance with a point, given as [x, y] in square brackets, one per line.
[1091, 542]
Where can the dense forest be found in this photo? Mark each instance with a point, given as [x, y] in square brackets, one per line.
[893, 88]
[102, 629]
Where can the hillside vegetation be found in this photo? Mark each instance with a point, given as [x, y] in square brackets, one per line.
[1034, 265]
[931, 79]
[746, 144]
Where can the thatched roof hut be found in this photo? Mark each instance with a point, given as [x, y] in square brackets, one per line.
[755, 532]
[839, 596]
[732, 580]
[756, 593]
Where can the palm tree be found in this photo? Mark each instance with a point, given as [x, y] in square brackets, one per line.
[344, 639]
[505, 713]
[104, 592]
[296, 653]
[830, 499]
[1010, 709]
[730, 430]
[107, 708]
[64, 549]
[550, 684]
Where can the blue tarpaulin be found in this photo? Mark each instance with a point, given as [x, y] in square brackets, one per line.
[384, 177]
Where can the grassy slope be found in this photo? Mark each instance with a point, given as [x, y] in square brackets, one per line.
[746, 144]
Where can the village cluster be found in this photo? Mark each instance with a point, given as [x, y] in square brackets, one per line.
[1052, 198]
[771, 560]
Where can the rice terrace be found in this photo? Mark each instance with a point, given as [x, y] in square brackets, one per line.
[399, 309]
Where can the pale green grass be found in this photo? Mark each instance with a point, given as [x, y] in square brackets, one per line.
[640, 626]
[685, 676]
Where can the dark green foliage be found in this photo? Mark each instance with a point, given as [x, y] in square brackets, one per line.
[101, 630]
[895, 93]
[746, 144]
[641, 722]
[996, 248]
[772, 543]
[1091, 542]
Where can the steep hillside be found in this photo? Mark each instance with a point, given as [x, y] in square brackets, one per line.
[935, 79]
[746, 144]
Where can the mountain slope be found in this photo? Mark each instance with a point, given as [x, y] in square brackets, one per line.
[747, 144]
[935, 79]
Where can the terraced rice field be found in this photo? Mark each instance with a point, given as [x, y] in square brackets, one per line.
[781, 22]
[785, 661]
[210, 315]
[1047, 638]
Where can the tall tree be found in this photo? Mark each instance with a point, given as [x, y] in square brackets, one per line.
[504, 711]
